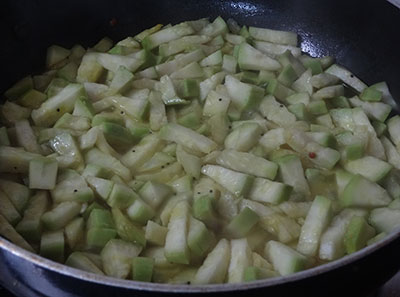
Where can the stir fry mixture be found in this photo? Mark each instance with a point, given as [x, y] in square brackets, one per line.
[198, 153]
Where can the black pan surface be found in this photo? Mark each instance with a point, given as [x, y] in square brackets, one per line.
[363, 36]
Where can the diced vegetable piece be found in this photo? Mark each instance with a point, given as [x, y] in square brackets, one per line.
[17, 193]
[187, 137]
[394, 130]
[163, 176]
[4, 140]
[303, 83]
[166, 35]
[244, 96]
[248, 163]
[347, 77]
[155, 193]
[178, 45]
[292, 174]
[278, 90]
[357, 234]
[74, 232]
[332, 241]
[12, 113]
[117, 256]
[73, 122]
[155, 233]
[235, 182]
[244, 137]
[8, 231]
[136, 106]
[316, 221]
[7, 210]
[121, 196]
[30, 227]
[56, 54]
[122, 80]
[275, 36]
[276, 112]
[99, 158]
[284, 259]
[100, 218]
[127, 230]
[386, 95]
[216, 103]
[176, 248]
[15, 160]
[203, 209]
[380, 128]
[65, 145]
[68, 71]
[272, 139]
[190, 163]
[19, 88]
[372, 168]
[113, 62]
[209, 84]
[253, 273]
[190, 88]
[312, 63]
[72, 188]
[317, 107]
[61, 215]
[97, 238]
[199, 238]
[371, 94]
[215, 266]
[376, 238]
[102, 187]
[323, 157]
[26, 137]
[323, 80]
[274, 49]
[288, 59]
[140, 212]
[53, 108]
[52, 245]
[217, 27]
[229, 64]
[361, 192]
[385, 219]
[141, 152]
[242, 223]
[42, 174]
[375, 110]
[287, 76]
[80, 261]
[250, 58]
[264, 190]
[241, 258]
[177, 63]
[142, 269]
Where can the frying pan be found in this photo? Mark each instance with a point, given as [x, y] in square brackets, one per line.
[363, 36]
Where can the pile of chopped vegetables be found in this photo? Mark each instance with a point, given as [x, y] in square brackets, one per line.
[197, 153]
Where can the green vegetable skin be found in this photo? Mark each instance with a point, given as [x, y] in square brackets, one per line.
[192, 154]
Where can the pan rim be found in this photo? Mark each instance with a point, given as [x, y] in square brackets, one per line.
[182, 288]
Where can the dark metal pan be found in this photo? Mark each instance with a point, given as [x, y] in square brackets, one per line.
[363, 36]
